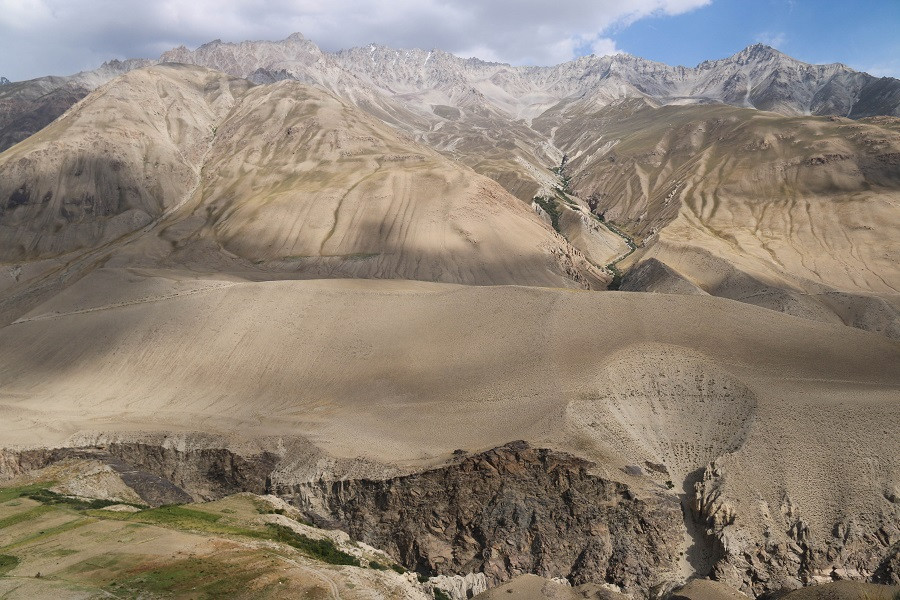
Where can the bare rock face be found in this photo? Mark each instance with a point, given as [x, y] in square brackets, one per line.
[159, 473]
[21, 117]
[888, 571]
[505, 512]
[460, 587]
[787, 553]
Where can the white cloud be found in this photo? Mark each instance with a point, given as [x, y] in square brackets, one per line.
[775, 39]
[61, 36]
[602, 46]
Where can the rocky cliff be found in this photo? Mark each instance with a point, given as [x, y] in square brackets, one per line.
[431, 81]
[490, 517]
[781, 550]
[505, 512]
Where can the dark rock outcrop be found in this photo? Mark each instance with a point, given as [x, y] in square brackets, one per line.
[506, 512]
[21, 117]
[888, 572]
[518, 510]
[157, 473]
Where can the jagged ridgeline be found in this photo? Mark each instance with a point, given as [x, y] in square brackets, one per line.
[278, 322]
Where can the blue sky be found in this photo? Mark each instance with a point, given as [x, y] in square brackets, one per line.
[864, 35]
[59, 37]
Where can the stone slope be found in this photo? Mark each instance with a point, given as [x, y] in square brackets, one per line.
[796, 214]
[124, 157]
[505, 512]
[202, 169]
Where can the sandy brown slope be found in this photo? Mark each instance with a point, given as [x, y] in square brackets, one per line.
[796, 214]
[113, 163]
[302, 181]
[403, 371]
[282, 178]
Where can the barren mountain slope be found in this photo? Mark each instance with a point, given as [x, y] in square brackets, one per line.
[796, 214]
[115, 162]
[26, 107]
[789, 409]
[481, 112]
[282, 178]
[301, 179]
[513, 123]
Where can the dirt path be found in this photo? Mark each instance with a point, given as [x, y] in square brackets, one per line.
[328, 580]
[48, 316]
[34, 292]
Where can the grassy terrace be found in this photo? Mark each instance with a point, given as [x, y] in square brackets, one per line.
[50, 542]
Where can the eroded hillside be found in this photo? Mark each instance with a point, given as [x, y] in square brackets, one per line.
[793, 214]
[369, 282]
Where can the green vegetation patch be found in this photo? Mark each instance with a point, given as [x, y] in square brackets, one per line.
[96, 566]
[440, 594]
[25, 515]
[12, 493]
[45, 496]
[616, 282]
[179, 517]
[551, 208]
[39, 492]
[50, 532]
[7, 563]
[374, 564]
[138, 576]
[324, 549]
[203, 578]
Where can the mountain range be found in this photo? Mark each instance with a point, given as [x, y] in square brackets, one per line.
[609, 321]
[621, 136]
[425, 81]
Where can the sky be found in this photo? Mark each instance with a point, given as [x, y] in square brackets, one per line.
[60, 37]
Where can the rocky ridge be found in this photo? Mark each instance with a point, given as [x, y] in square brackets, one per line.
[493, 515]
[786, 554]
[758, 77]
[431, 81]
[486, 518]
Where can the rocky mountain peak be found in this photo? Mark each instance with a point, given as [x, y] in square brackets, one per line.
[760, 52]
[4, 81]
[754, 54]
[401, 80]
